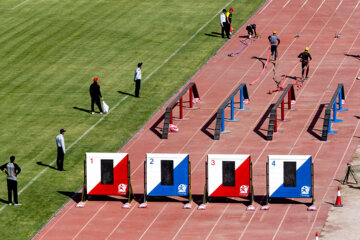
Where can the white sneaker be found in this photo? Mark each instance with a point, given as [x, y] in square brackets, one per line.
[10, 204]
[92, 112]
[17, 204]
[101, 112]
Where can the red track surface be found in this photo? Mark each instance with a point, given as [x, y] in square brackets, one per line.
[317, 21]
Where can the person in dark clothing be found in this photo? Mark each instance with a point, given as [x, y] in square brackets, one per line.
[137, 79]
[304, 58]
[229, 18]
[274, 43]
[60, 143]
[95, 95]
[251, 28]
[11, 169]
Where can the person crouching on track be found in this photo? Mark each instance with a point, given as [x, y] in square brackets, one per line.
[274, 42]
[304, 58]
[251, 28]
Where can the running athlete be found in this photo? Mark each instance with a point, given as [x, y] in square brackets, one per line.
[274, 42]
[304, 58]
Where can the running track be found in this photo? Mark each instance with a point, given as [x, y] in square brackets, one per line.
[317, 21]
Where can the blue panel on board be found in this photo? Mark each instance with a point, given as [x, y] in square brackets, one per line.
[181, 182]
[303, 184]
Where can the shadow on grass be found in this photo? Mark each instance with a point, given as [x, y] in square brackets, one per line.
[213, 34]
[82, 109]
[314, 121]
[4, 201]
[125, 93]
[155, 128]
[261, 122]
[45, 165]
[205, 129]
[75, 196]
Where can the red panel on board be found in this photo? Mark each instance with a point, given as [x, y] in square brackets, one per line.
[120, 186]
[242, 183]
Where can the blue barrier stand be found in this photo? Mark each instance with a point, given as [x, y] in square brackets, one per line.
[340, 103]
[242, 100]
[232, 119]
[329, 129]
[223, 123]
[334, 114]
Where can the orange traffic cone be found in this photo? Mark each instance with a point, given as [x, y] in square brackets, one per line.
[316, 236]
[338, 199]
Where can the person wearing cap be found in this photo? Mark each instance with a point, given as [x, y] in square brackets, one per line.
[274, 43]
[137, 79]
[95, 95]
[224, 24]
[12, 170]
[229, 19]
[304, 58]
[60, 143]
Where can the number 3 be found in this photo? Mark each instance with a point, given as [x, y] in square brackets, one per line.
[212, 162]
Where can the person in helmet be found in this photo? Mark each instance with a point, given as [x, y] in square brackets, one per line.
[274, 43]
[304, 58]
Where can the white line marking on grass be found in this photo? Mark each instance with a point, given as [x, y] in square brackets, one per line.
[121, 100]
[265, 7]
[97, 212]
[339, 4]
[153, 221]
[286, 3]
[20, 4]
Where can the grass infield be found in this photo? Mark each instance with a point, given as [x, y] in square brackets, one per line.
[50, 51]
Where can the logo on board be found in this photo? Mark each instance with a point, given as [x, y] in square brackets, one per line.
[305, 190]
[122, 188]
[182, 188]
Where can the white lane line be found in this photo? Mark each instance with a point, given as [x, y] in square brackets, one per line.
[357, 4]
[153, 221]
[97, 212]
[20, 4]
[212, 229]
[304, 3]
[339, 4]
[120, 101]
[177, 233]
[286, 3]
[265, 7]
[320, 5]
[132, 208]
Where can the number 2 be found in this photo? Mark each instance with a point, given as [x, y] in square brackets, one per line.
[151, 161]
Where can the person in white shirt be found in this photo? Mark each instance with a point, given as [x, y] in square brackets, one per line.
[137, 80]
[60, 143]
[224, 24]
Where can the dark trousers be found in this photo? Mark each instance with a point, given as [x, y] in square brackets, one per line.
[274, 51]
[97, 101]
[304, 65]
[60, 159]
[12, 188]
[137, 87]
[225, 28]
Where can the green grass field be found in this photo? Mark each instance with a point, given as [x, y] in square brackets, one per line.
[50, 50]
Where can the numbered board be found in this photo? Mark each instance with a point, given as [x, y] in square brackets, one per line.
[167, 174]
[107, 173]
[228, 175]
[290, 176]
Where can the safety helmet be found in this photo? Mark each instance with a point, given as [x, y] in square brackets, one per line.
[274, 32]
[306, 48]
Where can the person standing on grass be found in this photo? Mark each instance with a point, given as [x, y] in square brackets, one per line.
[95, 95]
[304, 58]
[137, 80]
[274, 43]
[229, 19]
[60, 143]
[11, 169]
[224, 24]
